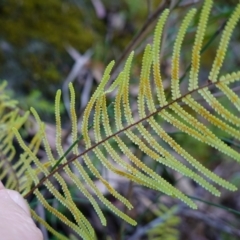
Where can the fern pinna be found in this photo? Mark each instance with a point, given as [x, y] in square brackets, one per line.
[104, 135]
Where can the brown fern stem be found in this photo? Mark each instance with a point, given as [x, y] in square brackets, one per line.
[153, 17]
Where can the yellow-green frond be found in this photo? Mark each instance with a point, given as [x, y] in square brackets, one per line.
[121, 143]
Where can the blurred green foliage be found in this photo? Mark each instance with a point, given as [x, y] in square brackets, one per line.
[53, 22]
[34, 35]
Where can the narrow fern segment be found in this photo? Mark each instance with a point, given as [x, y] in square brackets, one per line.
[223, 86]
[145, 85]
[105, 118]
[231, 95]
[82, 188]
[221, 110]
[96, 120]
[221, 52]
[47, 226]
[73, 118]
[117, 110]
[229, 78]
[5, 100]
[58, 137]
[115, 84]
[176, 54]
[12, 181]
[193, 81]
[31, 154]
[58, 124]
[125, 91]
[156, 55]
[215, 121]
[45, 141]
[145, 74]
[148, 92]
[91, 102]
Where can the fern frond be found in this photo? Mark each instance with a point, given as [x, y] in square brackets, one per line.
[113, 137]
[9, 117]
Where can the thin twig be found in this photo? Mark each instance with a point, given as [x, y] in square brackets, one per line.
[139, 35]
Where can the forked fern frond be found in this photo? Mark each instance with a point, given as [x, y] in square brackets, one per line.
[9, 117]
[108, 138]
